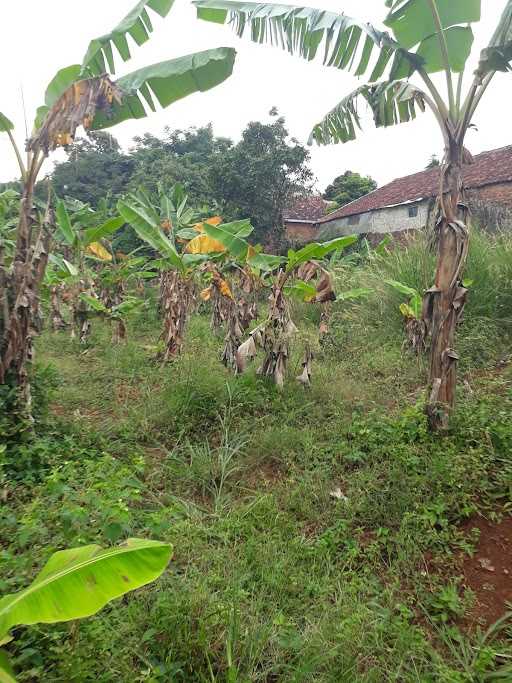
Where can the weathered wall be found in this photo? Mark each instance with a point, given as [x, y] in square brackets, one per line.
[499, 193]
[393, 219]
[300, 232]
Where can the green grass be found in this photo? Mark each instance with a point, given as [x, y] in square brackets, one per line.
[302, 521]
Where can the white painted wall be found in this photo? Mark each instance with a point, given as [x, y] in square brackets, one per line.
[392, 219]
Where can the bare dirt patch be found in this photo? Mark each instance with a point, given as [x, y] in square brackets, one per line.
[489, 572]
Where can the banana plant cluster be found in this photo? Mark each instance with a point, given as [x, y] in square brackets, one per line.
[82, 244]
[77, 583]
[85, 95]
[274, 334]
[167, 226]
[399, 57]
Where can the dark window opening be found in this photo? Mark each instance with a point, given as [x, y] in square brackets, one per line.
[353, 220]
[413, 211]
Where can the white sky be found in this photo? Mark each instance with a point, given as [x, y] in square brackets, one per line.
[38, 38]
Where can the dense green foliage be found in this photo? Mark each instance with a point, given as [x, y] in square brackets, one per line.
[303, 521]
[253, 178]
[347, 187]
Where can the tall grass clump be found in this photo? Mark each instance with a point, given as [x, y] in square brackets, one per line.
[487, 320]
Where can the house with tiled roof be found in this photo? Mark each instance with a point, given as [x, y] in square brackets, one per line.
[301, 216]
[406, 203]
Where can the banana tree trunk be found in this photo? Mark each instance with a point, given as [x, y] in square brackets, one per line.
[176, 297]
[444, 302]
[20, 317]
[118, 331]
[56, 319]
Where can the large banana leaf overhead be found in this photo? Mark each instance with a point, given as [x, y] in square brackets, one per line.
[137, 24]
[84, 94]
[349, 43]
[413, 38]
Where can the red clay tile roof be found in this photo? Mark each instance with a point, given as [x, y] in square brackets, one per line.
[488, 168]
[306, 209]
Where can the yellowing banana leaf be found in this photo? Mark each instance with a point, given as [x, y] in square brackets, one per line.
[214, 220]
[98, 250]
[206, 294]
[78, 582]
[202, 244]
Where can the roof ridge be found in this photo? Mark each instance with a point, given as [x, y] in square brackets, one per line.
[489, 167]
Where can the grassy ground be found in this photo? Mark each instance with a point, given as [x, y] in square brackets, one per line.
[317, 533]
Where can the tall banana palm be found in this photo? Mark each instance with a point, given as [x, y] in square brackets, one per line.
[85, 95]
[426, 37]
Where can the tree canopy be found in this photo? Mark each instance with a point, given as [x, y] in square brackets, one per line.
[347, 187]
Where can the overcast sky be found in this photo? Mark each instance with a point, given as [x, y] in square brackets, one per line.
[38, 38]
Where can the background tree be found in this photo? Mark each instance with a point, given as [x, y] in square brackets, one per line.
[186, 156]
[428, 36]
[347, 187]
[94, 164]
[256, 177]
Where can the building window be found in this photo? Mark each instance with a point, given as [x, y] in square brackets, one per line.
[413, 211]
[353, 220]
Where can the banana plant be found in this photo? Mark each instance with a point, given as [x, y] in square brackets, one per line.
[77, 583]
[154, 225]
[274, 334]
[82, 241]
[398, 56]
[116, 313]
[416, 330]
[86, 95]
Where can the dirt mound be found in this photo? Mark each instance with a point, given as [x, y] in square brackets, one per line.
[489, 572]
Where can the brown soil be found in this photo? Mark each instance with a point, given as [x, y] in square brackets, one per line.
[489, 572]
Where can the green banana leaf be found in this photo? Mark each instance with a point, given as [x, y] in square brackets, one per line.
[400, 287]
[5, 123]
[78, 582]
[168, 82]
[392, 102]
[101, 231]
[346, 43]
[316, 250]
[64, 223]
[94, 303]
[148, 229]
[350, 43]
[497, 56]
[412, 21]
[99, 57]
[6, 672]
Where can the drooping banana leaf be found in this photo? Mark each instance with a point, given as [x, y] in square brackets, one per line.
[349, 43]
[168, 82]
[497, 56]
[346, 43]
[391, 102]
[99, 57]
[148, 229]
[78, 582]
